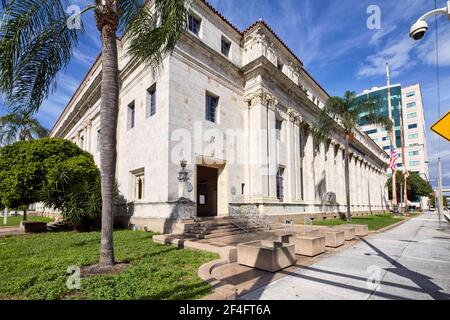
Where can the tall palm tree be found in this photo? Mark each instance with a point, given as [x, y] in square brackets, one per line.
[347, 113]
[36, 43]
[20, 127]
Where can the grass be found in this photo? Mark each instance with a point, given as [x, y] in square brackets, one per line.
[35, 267]
[15, 221]
[374, 222]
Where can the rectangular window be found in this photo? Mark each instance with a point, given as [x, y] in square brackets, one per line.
[131, 115]
[412, 126]
[151, 101]
[386, 148]
[384, 139]
[369, 132]
[413, 153]
[414, 136]
[226, 46]
[280, 184]
[194, 24]
[414, 163]
[278, 128]
[411, 105]
[410, 94]
[212, 103]
[138, 184]
[412, 115]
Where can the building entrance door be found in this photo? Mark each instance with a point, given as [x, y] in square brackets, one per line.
[207, 191]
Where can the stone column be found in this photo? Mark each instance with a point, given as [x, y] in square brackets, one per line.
[308, 168]
[260, 118]
[294, 159]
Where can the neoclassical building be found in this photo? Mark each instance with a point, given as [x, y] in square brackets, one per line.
[238, 106]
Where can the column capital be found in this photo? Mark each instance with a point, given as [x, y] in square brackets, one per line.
[295, 116]
[261, 96]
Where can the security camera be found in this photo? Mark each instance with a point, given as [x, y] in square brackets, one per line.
[418, 30]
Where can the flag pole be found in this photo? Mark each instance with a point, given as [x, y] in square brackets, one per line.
[405, 170]
[393, 142]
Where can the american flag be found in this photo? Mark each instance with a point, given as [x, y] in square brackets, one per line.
[393, 159]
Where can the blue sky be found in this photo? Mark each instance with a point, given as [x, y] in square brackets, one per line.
[332, 39]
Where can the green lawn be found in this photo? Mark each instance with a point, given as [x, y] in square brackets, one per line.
[35, 266]
[15, 221]
[374, 222]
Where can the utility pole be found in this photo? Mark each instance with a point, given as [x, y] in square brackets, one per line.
[393, 142]
[441, 194]
[5, 216]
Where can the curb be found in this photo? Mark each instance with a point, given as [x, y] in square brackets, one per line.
[220, 291]
[392, 226]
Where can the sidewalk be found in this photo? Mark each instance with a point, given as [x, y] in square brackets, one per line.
[411, 261]
[10, 231]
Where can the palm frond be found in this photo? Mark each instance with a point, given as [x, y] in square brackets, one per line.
[35, 44]
[20, 126]
[370, 110]
[128, 9]
[154, 32]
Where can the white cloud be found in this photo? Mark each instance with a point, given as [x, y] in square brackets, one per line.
[396, 52]
[380, 34]
[426, 51]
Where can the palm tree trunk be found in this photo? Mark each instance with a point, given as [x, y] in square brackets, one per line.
[107, 22]
[347, 176]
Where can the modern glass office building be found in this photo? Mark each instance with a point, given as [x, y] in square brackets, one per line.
[406, 101]
[381, 96]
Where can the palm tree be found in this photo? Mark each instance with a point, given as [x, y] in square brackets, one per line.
[346, 112]
[36, 42]
[20, 127]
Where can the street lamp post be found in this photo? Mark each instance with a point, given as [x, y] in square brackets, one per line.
[417, 32]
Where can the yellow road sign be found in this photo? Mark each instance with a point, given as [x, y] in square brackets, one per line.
[442, 127]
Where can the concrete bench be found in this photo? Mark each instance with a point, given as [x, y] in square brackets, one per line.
[308, 245]
[361, 230]
[266, 255]
[33, 226]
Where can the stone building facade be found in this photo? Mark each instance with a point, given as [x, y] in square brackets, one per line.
[239, 108]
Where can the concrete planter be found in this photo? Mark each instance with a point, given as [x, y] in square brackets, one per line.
[266, 255]
[333, 238]
[308, 245]
[361, 230]
[349, 231]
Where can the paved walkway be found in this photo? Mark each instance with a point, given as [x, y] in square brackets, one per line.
[10, 231]
[411, 261]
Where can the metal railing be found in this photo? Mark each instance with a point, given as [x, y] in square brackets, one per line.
[245, 217]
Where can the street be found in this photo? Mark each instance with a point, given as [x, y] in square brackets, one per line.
[411, 261]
